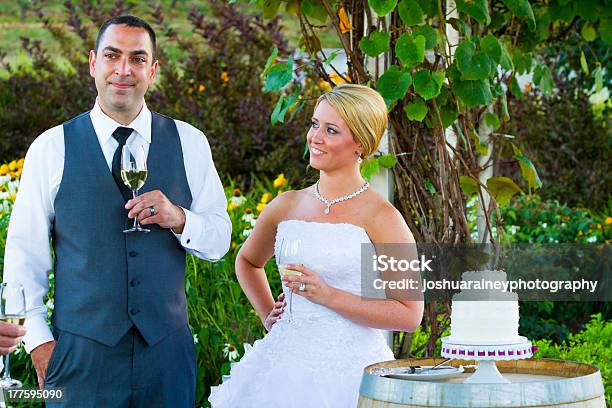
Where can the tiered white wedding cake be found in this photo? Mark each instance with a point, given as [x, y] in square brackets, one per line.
[484, 325]
[482, 315]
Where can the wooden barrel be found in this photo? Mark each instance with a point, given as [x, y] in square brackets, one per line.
[555, 383]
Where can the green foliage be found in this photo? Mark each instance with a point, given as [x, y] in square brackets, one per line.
[394, 84]
[478, 9]
[279, 76]
[473, 65]
[565, 141]
[591, 346]
[529, 219]
[314, 9]
[428, 84]
[375, 44]
[382, 7]
[502, 188]
[416, 109]
[410, 12]
[410, 49]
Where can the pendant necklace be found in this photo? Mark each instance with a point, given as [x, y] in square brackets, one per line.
[329, 203]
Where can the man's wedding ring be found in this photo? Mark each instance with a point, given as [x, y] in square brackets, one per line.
[153, 211]
[302, 287]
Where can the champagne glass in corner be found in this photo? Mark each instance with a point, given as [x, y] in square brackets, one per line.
[290, 253]
[134, 175]
[12, 310]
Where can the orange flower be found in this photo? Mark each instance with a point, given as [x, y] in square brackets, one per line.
[201, 88]
[527, 88]
[608, 219]
[345, 24]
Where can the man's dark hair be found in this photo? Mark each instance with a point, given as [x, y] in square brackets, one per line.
[130, 21]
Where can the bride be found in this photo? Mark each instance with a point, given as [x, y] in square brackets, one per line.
[317, 358]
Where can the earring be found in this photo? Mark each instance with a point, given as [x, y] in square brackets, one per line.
[359, 159]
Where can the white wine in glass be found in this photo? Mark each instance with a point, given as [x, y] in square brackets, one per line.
[290, 253]
[12, 310]
[134, 175]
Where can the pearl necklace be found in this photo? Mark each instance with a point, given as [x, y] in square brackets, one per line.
[329, 203]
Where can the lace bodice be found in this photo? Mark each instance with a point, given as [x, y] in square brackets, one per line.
[331, 250]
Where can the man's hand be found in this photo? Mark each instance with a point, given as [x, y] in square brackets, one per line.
[165, 214]
[40, 358]
[10, 337]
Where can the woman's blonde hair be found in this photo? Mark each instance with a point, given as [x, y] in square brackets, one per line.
[363, 110]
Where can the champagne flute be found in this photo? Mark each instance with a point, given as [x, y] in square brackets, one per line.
[12, 310]
[134, 175]
[290, 253]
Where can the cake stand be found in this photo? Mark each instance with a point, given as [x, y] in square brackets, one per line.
[486, 355]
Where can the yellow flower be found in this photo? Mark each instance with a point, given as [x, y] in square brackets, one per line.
[280, 181]
[580, 233]
[15, 174]
[260, 207]
[4, 169]
[265, 198]
[608, 220]
[324, 85]
[232, 206]
[201, 88]
[224, 76]
[234, 245]
[598, 226]
[190, 90]
[339, 79]
[12, 197]
[13, 165]
[20, 163]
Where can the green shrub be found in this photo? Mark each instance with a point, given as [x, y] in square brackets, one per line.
[529, 219]
[566, 141]
[591, 346]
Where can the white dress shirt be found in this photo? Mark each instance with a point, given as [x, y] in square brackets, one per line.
[207, 231]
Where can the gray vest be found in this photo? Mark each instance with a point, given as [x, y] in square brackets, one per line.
[107, 281]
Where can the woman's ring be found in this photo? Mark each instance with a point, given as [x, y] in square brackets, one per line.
[153, 211]
[302, 287]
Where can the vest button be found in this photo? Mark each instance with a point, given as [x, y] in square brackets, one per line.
[133, 254]
[134, 282]
[188, 240]
[134, 311]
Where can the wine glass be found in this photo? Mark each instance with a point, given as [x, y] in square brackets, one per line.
[290, 253]
[134, 175]
[12, 310]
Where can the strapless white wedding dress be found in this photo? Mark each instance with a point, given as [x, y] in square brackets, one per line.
[318, 359]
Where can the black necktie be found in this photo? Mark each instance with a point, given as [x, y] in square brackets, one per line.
[121, 135]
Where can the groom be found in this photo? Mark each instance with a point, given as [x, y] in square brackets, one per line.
[120, 335]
